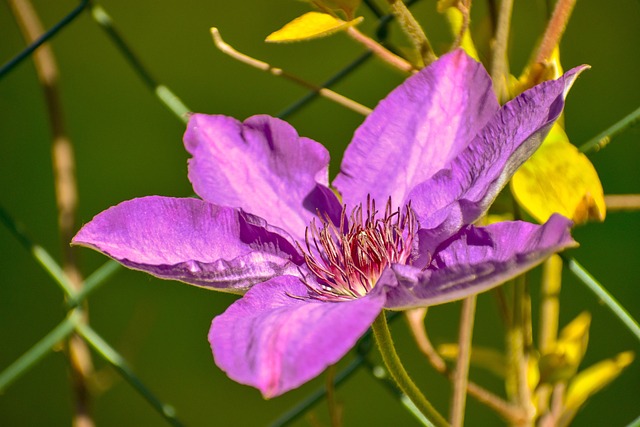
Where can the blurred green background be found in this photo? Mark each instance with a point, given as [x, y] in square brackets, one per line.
[128, 145]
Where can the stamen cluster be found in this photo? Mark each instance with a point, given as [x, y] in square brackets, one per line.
[347, 260]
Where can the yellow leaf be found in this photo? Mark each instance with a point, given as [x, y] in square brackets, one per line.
[561, 362]
[590, 381]
[311, 25]
[558, 178]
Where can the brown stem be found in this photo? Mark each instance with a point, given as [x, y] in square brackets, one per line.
[509, 412]
[464, 6]
[335, 411]
[499, 63]
[461, 373]
[518, 356]
[555, 29]
[227, 49]
[622, 202]
[66, 194]
[380, 51]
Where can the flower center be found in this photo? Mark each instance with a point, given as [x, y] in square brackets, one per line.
[348, 260]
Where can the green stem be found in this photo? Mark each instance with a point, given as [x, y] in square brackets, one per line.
[601, 140]
[119, 363]
[94, 281]
[163, 93]
[38, 252]
[612, 304]
[38, 351]
[499, 63]
[399, 374]
[413, 29]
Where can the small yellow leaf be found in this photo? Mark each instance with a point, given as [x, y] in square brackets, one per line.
[590, 381]
[311, 25]
[558, 178]
[561, 362]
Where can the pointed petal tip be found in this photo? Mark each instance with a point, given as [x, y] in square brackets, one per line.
[571, 76]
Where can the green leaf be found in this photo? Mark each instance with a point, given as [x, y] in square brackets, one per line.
[309, 26]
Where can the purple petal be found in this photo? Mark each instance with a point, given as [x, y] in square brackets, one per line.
[463, 191]
[477, 259]
[274, 342]
[417, 130]
[261, 166]
[192, 241]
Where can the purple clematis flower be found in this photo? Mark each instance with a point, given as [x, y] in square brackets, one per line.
[315, 270]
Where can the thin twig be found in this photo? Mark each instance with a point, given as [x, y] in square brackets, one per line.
[381, 51]
[601, 292]
[255, 63]
[601, 140]
[335, 411]
[555, 29]
[162, 92]
[464, 6]
[548, 327]
[13, 62]
[399, 374]
[499, 62]
[550, 305]
[415, 318]
[413, 29]
[37, 351]
[461, 374]
[109, 354]
[518, 357]
[66, 195]
[622, 202]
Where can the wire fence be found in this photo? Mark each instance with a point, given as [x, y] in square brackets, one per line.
[75, 297]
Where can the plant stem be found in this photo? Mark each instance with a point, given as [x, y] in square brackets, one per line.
[516, 350]
[38, 351]
[162, 92]
[334, 408]
[399, 374]
[118, 362]
[601, 140]
[461, 374]
[622, 202]
[555, 29]
[612, 304]
[499, 62]
[62, 156]
[322, 91]
[415, 318]
[550, 305]
[380, 51]
[413, 29]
